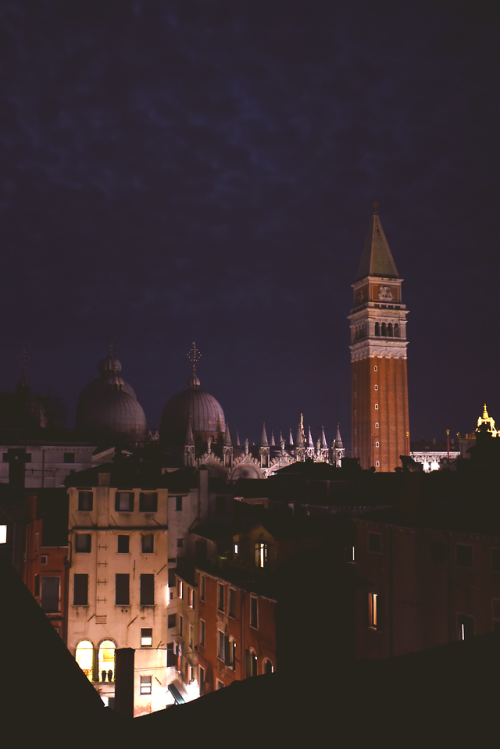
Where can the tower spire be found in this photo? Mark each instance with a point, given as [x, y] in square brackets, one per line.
[263, 437]
[227, 437]
[376, 259]
[194, 355]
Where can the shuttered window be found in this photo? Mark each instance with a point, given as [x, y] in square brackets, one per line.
[147, 590]
[122, 590]
[81, 590]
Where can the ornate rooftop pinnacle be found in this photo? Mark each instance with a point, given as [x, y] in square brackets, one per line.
[194, 355]
[263, 437]
[227, 437]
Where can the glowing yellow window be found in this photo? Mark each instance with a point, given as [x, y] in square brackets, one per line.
[85, 657]
[107, 661]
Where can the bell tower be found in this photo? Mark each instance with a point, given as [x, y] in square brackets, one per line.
[379, 384]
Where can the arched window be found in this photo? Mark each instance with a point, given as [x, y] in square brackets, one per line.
[377, 328]
[268, 666]
[106, 664]
[389, 330]
[84, 656]
[396, 330]
[384, 331]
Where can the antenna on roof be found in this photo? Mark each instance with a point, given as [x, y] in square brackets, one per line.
[194, 354]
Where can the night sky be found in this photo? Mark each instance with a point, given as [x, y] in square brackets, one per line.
[205, 171]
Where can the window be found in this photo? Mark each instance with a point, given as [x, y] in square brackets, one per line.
[44, 559]
[260, 555]
[148, 502]
[375, 368]
[375, 542]
[180, 589]
[191, 674]
[83, 543]
[191, 598]
[145, 685]
[376, 425]
[147, 590]
[495, 560]
[377, 464]
[122, 590]
[69, 457]
[181, 625]
[171, 660]
[106, 661]
[465, 627]
[124, 501]
[180, 543]
[373, 611]
[50, 594]
[220, 645]
[80, 590]
[464, 556]
[350, 554]
[220, 505]
[37, 586]
[146, 638]
[230, 653]
[191, 636]
[202, 633]
[123, 544]
[172, 621]
[220, 597]
[178, 504]
[84, 656]
[376, 387]
[268, 666]
[438, 551]
[203, 587]
[377, 444]
[254, 612]
[232, 603]
[220, 685]
[3, 534]
[235, 548]
[148, 541]
[376, 406]
[201, 677]
[251, 663]
[85, 501]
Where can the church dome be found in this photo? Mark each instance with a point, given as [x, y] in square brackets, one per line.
[192, 405]
[108, 406]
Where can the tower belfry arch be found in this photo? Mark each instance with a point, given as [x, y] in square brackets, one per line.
[379, 383]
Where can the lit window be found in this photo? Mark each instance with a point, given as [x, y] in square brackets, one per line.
[84, 656]
[50, 597]
[220, 597]
[124, 501]
[148, 541]
[85, 501]
[123, 544]
[146, 638]
[148, 502]
[373, 610]
[465, 627]
[145, 685]
[191, 598]
[180, 588]
[83, 543]
[191, 674]
[268, 666]
[107, 661]
[3, 534]
[350, 554]
[235, 549]
[254, 612]
[260, 555]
